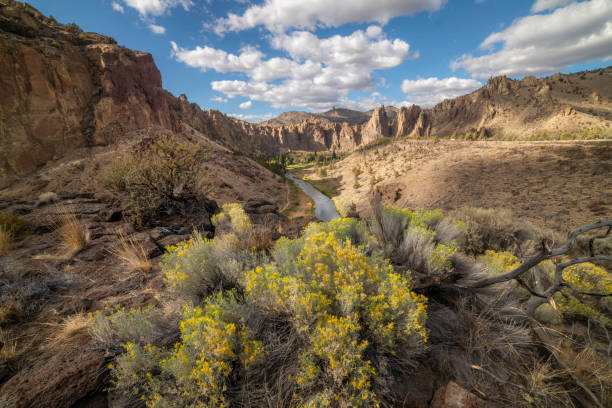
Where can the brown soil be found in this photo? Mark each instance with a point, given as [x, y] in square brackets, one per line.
[559, 185]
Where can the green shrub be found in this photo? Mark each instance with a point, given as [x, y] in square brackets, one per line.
[495, 229]
[157, 178]
[136, 325]
[586, 278]
[305, 323]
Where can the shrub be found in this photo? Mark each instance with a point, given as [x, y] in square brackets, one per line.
[232, 219]
[157, 178]
[47, 198]
[495, 229]
[141, 326]
[196, 268]
[499, 262]
[587, 278]
[317, 322]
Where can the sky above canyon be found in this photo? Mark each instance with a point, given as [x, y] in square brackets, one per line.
[256, 59]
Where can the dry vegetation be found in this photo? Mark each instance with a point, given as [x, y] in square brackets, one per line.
[353, 311]
[6, 239]
[557, 185]
[70, 230]
[72, 329]
[131, 254]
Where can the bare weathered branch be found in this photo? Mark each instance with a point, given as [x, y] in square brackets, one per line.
[543, 254]
[592, 240]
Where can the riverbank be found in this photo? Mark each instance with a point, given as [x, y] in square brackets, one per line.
[325, 208]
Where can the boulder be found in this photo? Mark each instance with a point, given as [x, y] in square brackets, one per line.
[454, 396]
[60, 380]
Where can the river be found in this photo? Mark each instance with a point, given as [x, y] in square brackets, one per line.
[325, 209]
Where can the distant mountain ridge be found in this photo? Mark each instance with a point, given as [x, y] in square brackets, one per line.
[557, 103]
[334, 115]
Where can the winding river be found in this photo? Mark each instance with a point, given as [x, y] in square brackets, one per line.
[325, 209]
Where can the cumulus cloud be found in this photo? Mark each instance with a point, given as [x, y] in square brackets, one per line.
[117, 7]
[252, 118]
[279, 15]
[319, 73]
[246, 105]
[541, 5]
[545, 43]
[429, 91]
[219, 99]
[157, 29]
[148, 8]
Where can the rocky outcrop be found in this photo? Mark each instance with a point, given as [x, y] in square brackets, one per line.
[62, 89]
[376, 127]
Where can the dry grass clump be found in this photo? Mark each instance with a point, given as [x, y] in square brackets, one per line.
[5, 241]
[593, 370]
[11, 311]
[132, 254]
[12, 227]
[70, 230]
[8, 346]
[73, 328]
[546, 386]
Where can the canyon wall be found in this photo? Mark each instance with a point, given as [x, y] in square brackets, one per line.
[62, 89]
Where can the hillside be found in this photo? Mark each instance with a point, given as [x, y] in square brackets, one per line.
[335, 115]
[84, 90]
[554, 184]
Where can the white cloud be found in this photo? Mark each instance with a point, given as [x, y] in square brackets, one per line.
[252, 118]
[157, 29]
[541, 5]
[118, 7]
[429, 91]
[147, 8]
[319, 74]
[220, 99]
[278, 15]
[545, 43]
[246, 105]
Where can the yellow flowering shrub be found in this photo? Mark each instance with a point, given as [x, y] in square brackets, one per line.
[499, 263]
[233, 219]
[330, 296]
[587, 278]
[342, 302]
[196, 371]
[196, 267]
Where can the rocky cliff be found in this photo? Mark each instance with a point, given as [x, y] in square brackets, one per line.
[63, 89]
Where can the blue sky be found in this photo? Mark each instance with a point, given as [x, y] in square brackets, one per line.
[256, 59]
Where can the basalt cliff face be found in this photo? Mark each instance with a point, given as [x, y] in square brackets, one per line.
[62, 89]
